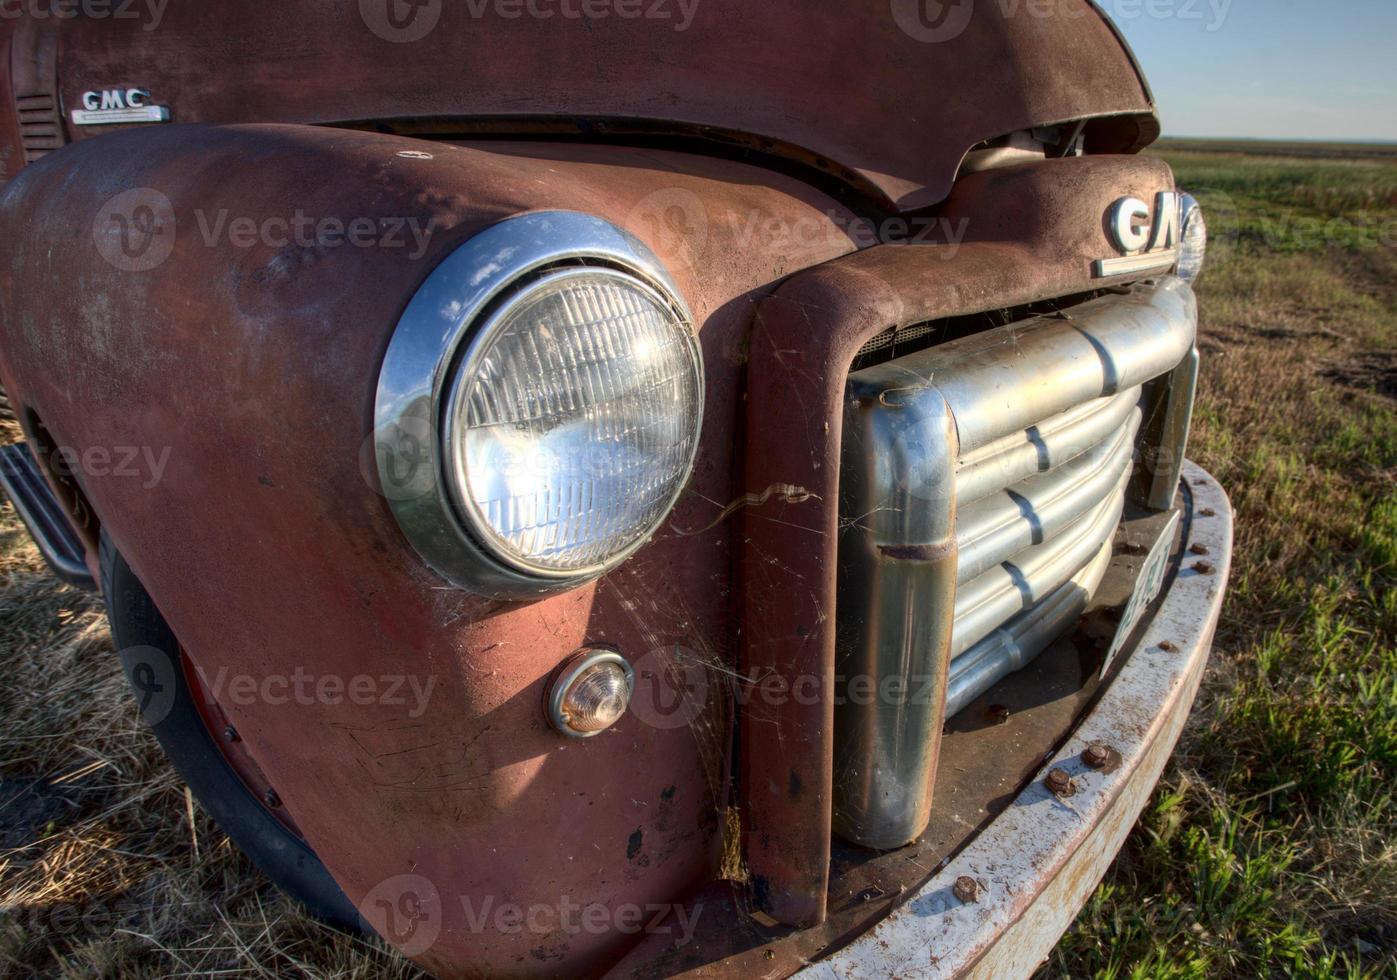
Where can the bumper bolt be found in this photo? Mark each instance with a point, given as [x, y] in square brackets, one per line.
[1208, 512]
[1097, 756]
[1059, 783]
[230, 733]
[967, 889]
[272, 799]
[1199, 549]
[1204, 567]
[1168, 647]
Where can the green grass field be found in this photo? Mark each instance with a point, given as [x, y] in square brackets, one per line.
[1270, 847]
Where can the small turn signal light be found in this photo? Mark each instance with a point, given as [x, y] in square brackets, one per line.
[590, 693]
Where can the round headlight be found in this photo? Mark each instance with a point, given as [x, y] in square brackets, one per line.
[1193, 247]
[539, 405]
[573, 420]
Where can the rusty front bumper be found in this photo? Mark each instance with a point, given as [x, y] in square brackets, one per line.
[1035, 865]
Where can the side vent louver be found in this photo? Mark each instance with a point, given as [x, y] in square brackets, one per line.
[39, 126]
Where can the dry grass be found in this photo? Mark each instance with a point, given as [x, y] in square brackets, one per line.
[1268, 849]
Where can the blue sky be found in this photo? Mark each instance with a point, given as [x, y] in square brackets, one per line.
[1316, 69]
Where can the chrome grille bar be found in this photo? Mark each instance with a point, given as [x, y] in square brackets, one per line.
[1040, 448]
[1017, 642]
[1007, 589]
[997, 527]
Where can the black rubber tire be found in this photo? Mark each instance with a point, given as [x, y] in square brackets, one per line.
[150, 657]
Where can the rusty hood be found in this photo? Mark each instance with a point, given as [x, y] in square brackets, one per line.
[885, 96]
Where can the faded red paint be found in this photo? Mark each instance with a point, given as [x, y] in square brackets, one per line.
[268, 549]
[267, 546]
[841, 87]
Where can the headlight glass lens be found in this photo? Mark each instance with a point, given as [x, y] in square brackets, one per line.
[573, 420]
[1194, 247]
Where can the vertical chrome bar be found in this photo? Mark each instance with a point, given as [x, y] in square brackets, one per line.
[896, 603]
[1163, 453]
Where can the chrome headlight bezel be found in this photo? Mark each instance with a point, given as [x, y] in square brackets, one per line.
[444, 324]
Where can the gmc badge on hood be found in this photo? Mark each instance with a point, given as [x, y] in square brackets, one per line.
[115, 106]
[1144, 248]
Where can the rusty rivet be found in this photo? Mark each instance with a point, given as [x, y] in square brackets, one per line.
[1168, 647]
[1208, 512]
[272, 799]
[967, 889]
[230, 733]
[1204, 567]
[1097, 756]
[1199, 549]
[1059, 783]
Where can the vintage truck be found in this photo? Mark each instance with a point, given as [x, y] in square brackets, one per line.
[624, 487]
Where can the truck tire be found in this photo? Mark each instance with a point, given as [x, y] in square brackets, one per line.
[153, 661]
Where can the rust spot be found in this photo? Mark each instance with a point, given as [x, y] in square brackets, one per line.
[1208, 512]
[1168, 647]
[997, 714]
[918, 552]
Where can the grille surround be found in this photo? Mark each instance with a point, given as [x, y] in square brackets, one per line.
[1039, 417]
